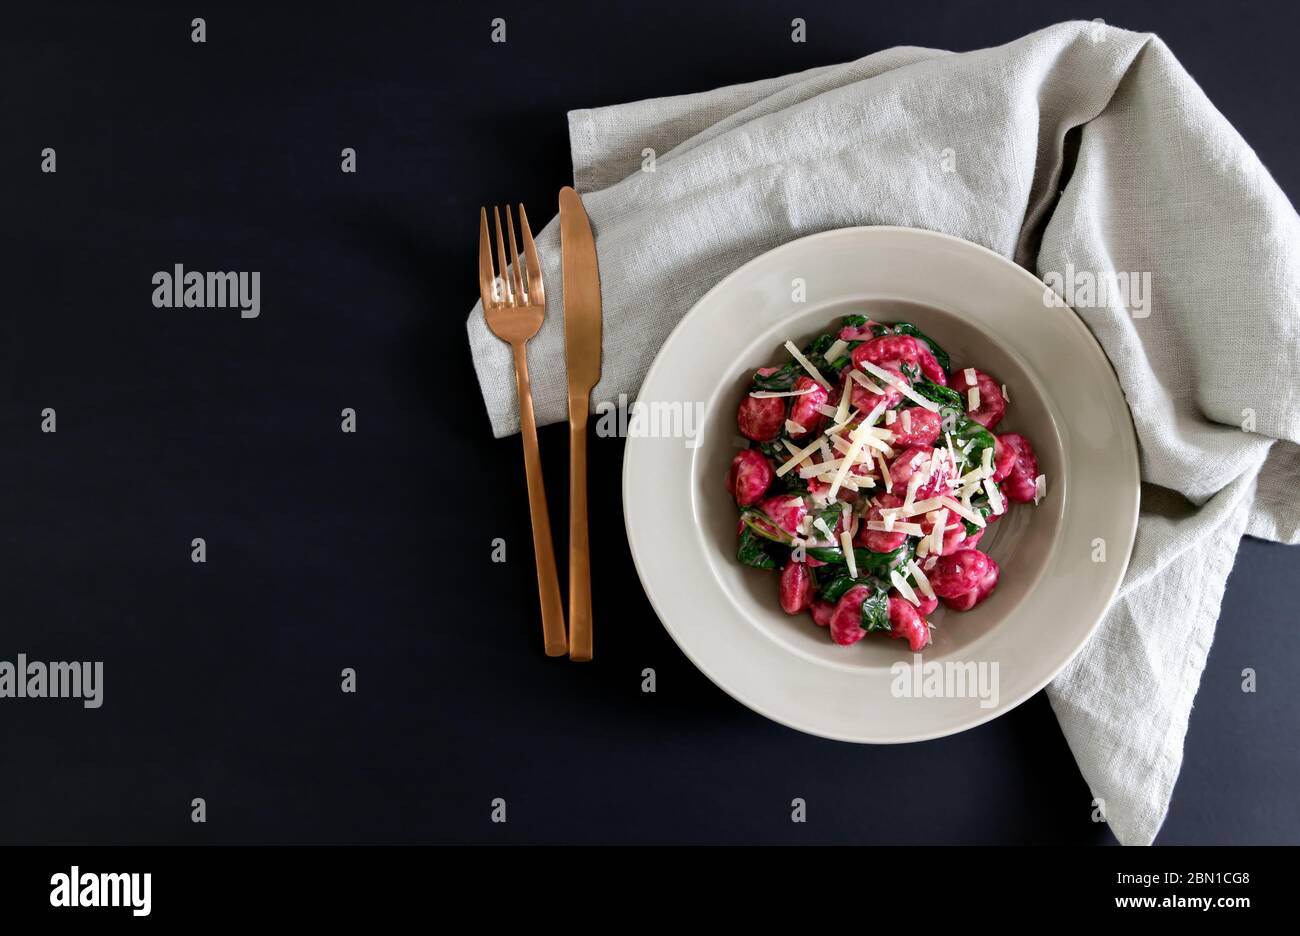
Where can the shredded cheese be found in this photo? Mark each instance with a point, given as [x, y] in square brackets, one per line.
[1040, 488]
[913, 483]
[847, 544]
[1004, 393]
[973, 398]
[793, 428]
[820, 468]
[901, 386]
[859, 440]
[862, 379]
[842, 411]
[922, 582]
[884, 471]
[936, 535]
[903, 588]
[798, 456]
[890, 417]
[995, 496]
[889, 525]
[875, 414]
[771, 394]
[918, 508]
[875, 442]
[806, 364]
[970, 377]
[963, 510]
[907, 420]
[837, 348]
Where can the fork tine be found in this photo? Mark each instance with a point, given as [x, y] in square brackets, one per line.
[517, 273]
[536, 292]
[485, 275]
[503, 273]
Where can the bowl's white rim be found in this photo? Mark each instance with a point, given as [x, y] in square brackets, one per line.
[1132, 463]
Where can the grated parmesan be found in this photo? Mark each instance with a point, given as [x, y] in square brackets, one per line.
[806, 364]
[940, 528]
[922, 582]
[903, 588]
[797, 457]
[995, 497]
[901, 386]
[849, 557]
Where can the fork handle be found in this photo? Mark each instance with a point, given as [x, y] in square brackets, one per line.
[548, 582]
[579, 544]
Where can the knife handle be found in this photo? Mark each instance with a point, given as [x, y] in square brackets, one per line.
[548, 581]
[579, 545]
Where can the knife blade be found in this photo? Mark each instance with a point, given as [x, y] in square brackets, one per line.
[580, 277]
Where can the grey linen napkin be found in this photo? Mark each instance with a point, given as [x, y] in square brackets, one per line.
[1078, 148]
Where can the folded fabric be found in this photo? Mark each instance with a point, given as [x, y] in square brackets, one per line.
[1080, 151]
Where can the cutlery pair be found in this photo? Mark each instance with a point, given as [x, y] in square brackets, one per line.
[514, 306]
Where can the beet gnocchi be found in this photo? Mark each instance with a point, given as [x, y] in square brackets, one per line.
[872, 472]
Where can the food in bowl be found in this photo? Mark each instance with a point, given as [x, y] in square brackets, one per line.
[872, 472]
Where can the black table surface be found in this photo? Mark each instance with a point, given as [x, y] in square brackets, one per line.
[372, 550]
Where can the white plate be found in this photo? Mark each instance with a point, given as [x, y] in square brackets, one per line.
[1062, 562]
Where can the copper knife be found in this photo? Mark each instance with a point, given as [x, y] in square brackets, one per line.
[581, 281]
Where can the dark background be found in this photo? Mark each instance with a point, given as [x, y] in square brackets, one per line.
[372, 550]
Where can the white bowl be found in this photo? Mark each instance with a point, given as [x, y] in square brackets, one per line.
[1061, 561]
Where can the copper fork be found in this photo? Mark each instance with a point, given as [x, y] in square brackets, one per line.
[514, 304]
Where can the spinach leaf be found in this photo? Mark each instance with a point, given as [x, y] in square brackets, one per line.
[764, 526]
[878, 564]
[875, 612]
[980, 505]
[784, 378]
[944, 396]
[940, 355]
[966, 430]
[820, 345]
[774, 450]
[835, 587]
[752, 551]
[829, 516]
[875, 607]
[952, 405]
[907, 328]
[791, 483]
[854, 321]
